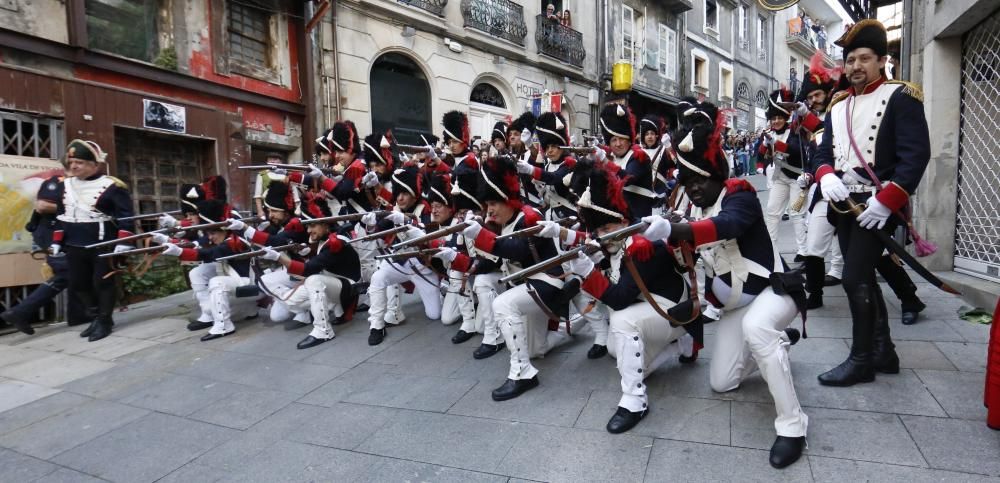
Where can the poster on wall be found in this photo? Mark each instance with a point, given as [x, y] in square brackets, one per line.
[163, 116]
[20, 178]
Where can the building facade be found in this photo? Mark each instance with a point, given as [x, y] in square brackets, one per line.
[403, 64]
[754, 49]
[708, 57]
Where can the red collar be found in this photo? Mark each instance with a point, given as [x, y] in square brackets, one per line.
[870, 87]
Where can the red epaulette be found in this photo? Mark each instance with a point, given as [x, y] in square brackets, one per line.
[735, 185]
[639, 154]
[531, 216]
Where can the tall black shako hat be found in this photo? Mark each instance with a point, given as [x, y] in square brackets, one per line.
[552, 130]
[190, 195]
[819, 78]
[686, 104]
[438, 189]
[322, 145]
[314, 207]
[651, 122]
[524, 121]
[279, 197]
[603, 200]
[499, 132]
[866, 33]
[378, 149]
[213, 211]
[407, 180]
[774, 108]
[617, 120]
[344, 137]
[465, 181]
[456, 126]
[698, 144]
[499, 182]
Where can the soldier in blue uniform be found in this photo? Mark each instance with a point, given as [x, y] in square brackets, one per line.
[875, 149]
[618, 125]
[554, 174]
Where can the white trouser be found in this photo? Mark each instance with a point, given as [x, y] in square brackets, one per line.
[783, 193]
[318, 295]
[280, 284]
[638, 338]
[596, 318]
[486, 286]
[821, 238]
[220, 289]
[199, 276]
[458, 300]
[366, 254]
[752, 336]
[390, 274]
[525, 329]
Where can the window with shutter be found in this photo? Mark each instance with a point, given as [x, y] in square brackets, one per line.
[628, 34]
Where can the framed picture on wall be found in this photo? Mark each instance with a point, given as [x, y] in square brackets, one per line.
[163, 116]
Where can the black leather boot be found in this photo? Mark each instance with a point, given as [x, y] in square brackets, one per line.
[90, 329]
[815, 270]
[624, 420]
[19, 322]
[885, 359]
[462, 336]
[901, 284]
[597, 351]
[859, 366]
[376, 336]
[786, 450]
[101, 330]
[512, 389]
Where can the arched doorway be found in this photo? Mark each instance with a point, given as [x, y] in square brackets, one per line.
[743, 105]
[486, 106]
[400, 98]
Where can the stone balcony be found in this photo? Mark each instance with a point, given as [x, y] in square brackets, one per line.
[435, 7]
[500, 18]
[559, 41]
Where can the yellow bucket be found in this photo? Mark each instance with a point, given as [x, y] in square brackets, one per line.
[621, 76]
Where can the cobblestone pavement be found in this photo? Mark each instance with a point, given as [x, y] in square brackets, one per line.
[153, 403]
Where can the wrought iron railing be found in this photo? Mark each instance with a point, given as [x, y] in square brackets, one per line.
[559, 41]
[433, 6]
[499, 18]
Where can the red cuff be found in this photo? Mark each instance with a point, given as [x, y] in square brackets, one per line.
[296, 268]
[124, 233]
[823, 170]
[189, 255]
[485, 240]
[184, 223]
[704, 232]
[260, 237]
[57, 236]
[762, 149]
[461, 263]
[811, 122]
[294, 225]
[537, 173]
[335, 244]
[780, 147]
[595, 284]
[893, 196]
[296, 176]
[328, 184]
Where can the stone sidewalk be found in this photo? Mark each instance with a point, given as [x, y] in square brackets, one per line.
[153, 403]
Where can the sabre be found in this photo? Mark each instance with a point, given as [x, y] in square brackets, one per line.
[531, 231]
[256, 253]
[381, 234]
[117, 241]
[897, 249]
[148, 215]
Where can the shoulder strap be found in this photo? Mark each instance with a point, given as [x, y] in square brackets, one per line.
[630, 265]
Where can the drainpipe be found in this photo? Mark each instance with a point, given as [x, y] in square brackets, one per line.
[906, 40]
[307, 72]
[336, 61]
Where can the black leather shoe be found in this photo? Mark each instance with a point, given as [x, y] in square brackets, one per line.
[90, 329]
[848, 373]
[361, 308]
[886, 361]
[814, 301]
[799, 258]
[208, 337]
[376, 336]
[310, 341]
[624, 420]
[195, 325]
[597, 351]
[18, 322]
[512, 389]
[784, 217]
[339, 320]
[793, 335]
[488, 350]
[786, 450]
[101, 330]
[462, 336]
[293, 325]
[910, 315]
[830, 281]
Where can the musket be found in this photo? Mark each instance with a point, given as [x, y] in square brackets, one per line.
[434, 235]
[381, 234]
[338, 218]
[897, 249]
[568, 255]
[408, 254]
[148, 215]
[531, 231]
[287, 167]
[140, 251]
[257, 253]
[579, 149]
[415, 149]
[175, 229]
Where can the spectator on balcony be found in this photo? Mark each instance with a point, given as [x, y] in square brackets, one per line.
[567, 19]
[550, 13]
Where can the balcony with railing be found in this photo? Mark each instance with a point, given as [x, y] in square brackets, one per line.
[677, 6]
[499, 18]
[559, 41]
[807, 40]
[433, 6]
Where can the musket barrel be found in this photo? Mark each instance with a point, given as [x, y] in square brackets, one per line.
[408, 254]
[254, 253]
[339, 218]
[578, 149]
[434, 235]
[116, 241]
[380, 234]
[148, 215]
[537, 228]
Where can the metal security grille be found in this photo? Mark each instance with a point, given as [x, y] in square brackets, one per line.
[977, 227]
[24, 135]
[249, 29]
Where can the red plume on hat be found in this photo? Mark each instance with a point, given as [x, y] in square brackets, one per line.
[714, 152]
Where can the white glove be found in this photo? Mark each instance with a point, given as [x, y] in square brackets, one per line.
[249, 233]
[236, 225]
[472, 231]
[658, 228]
[369, 219]
[875, 215]
[833, 188]
[598, 255]
[414, 232]
[160, 238]
[314, 171]
[665, 138]
[166, 221]
[802, 110]
[446, 254]
[270, 254]
[550, 229]
[850, 177]
[760, 170]
[55, 249]
[305, 251]
[370, 179]
[469, 216]
[582, 265]
[279, 171]
[524, 168]
[123, 248]
[172, 250]
[676, 173]
[803, 180]
[396, 218]
[599, 154]
[431, 152]
[525, 136]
